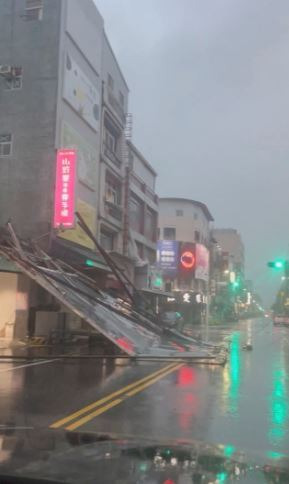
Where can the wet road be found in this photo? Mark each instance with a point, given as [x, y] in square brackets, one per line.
[244, 405]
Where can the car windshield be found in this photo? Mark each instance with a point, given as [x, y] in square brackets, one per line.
[144, 242]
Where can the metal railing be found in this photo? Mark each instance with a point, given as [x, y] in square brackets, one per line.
[111, 155]
[113, 210]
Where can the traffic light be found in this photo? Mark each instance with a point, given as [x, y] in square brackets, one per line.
[276, 264]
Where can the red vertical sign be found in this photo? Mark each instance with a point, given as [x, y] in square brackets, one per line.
[65, 189]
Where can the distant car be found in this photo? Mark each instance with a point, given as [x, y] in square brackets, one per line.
[171, 319]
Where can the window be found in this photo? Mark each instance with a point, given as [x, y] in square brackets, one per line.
[136, 214]
[197, 236]
[121, 98]
[14, 80]
[110, 82]
[110, 141]
[150, 225]
[179, 213]
[106, 239]
[5, 144]
[112, 190]
[140, 249]
[169, 233]
[34, 10]
[150, 255]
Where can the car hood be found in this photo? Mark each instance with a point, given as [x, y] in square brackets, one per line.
[75, 457]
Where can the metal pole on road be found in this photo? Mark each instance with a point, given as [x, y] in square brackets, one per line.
[207, 312]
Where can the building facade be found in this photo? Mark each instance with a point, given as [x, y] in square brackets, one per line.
[186, 224]
[228, 286]
[142, 215]
[60, 90]
[112, 166]
[113, 162]
[232, 249]
[54, 102]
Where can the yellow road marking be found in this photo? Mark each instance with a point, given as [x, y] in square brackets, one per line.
[94, 414]
[112, 404]
[150, 382]
[97, 403]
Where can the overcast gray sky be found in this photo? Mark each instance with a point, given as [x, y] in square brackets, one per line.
[209, 82]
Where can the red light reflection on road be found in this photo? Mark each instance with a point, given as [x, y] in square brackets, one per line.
[186, 376]
[188, 403]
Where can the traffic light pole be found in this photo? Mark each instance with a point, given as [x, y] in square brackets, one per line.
[207, 315]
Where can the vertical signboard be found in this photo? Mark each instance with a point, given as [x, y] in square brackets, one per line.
[65, 189]
[167, 257]
[202, 262]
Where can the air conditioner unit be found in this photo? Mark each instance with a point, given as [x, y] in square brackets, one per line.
[4, 70]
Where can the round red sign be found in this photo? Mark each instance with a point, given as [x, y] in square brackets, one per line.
[188, 259]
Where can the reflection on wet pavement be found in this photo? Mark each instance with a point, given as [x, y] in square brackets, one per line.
[244, 405]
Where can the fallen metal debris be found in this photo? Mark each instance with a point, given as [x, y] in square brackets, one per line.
[134, 333]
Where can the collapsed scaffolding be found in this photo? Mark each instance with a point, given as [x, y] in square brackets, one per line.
[126, 323]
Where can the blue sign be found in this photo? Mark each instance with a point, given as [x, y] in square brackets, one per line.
[168, 256]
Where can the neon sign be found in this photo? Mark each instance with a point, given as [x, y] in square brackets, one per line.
[64, 199]
[187, 259]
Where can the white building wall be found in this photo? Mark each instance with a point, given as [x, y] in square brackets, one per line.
[85, 24]
[193, 219]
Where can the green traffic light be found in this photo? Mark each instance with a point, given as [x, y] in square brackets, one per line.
[89, 263]
[276, 264]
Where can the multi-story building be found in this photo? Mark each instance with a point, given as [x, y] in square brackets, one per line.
[61, 88]
[232, 249]
[228, 287]
[142, 211]
[187, 222]
[113, 159]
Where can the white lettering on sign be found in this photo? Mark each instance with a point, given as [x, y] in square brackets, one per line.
[187, 297]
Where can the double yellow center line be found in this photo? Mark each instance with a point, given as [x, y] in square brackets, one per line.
[85, 414]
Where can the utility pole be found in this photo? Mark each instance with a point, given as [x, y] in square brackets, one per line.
[127, 163]
[207, 316]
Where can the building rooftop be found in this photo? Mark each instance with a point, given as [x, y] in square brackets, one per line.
[116, 61]
[226, 230]
[193, 202]
[145, 162]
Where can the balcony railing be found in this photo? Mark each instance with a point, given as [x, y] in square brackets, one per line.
[145, 189]
[111, 155]
[150, 194]
[113, 210]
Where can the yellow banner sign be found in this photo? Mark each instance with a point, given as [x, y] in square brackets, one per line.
[77, 235]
